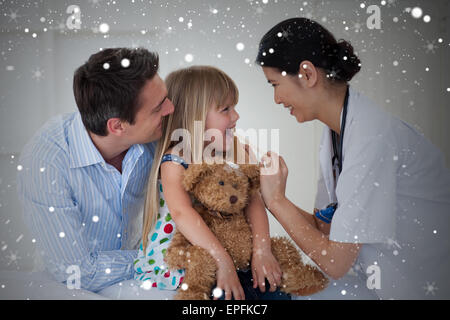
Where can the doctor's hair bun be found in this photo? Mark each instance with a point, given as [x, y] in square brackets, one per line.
[295, 40]
[346, 64]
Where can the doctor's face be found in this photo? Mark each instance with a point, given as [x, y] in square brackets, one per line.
[289, 91]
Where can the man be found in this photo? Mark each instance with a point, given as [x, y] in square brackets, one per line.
[84, 174]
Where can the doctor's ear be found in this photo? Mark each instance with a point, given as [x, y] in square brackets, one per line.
[307, 73]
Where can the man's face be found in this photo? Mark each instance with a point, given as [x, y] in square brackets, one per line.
[154, 105]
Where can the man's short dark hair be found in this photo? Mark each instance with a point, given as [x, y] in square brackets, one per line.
[108, 85]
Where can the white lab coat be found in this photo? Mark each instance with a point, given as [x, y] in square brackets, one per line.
[393, 197]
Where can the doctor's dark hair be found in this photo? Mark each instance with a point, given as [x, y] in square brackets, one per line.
[294, 40]
[108, 85]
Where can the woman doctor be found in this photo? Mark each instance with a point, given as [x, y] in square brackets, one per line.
[383, 198]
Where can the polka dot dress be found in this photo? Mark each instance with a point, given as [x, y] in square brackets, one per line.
[151, 266]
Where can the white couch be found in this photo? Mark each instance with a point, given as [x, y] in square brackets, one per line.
[16, 285]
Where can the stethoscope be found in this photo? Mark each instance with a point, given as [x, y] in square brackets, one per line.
[337, 149]
[327, 214]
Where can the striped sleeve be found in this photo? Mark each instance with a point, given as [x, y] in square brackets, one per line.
[54, 220]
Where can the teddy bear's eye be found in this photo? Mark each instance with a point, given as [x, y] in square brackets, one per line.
[221, 183]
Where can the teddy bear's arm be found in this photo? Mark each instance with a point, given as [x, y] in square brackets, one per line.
[187, 219]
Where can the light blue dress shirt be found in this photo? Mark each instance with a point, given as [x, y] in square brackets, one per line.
[81, 210]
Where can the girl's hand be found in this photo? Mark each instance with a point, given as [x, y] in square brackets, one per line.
[273, 178]
[228, 281]
[265, 266]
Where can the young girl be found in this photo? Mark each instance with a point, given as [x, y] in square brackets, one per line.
[204, 95]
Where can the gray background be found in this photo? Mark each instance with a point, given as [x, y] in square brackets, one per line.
[36, 73]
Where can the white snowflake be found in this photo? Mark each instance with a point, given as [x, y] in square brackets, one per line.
[391, 3]
[61, 26]
[95, 3]
[430, 47]
[38, 74]
[135, 44]
[146, 285]
[285, 34]
[259, 12]
[213, 11]
[12, 258]
[357, 27]
[168, 30]
[332, 74]
[217, 292]
[392, 244]
[430, 288]
[12, 15]
[103, 28]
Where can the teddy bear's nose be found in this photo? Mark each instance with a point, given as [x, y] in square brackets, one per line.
[233, 199]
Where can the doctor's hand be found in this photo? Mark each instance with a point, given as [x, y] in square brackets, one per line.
[273, 178]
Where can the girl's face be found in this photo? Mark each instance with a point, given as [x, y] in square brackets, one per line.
[288, 90]
[223, 118]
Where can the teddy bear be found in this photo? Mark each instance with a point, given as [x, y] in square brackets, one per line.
[220, 194]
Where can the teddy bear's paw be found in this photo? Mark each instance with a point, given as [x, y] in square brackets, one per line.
[307, 291]
[303, 281]
[319, 283]
[191, 294]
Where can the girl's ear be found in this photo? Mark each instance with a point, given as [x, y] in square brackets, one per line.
[252, 172]
[193, 174]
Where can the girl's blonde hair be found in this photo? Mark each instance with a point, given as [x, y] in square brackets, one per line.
[193, 91]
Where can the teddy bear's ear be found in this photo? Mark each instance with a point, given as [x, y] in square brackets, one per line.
[252, 172]
[193, 174]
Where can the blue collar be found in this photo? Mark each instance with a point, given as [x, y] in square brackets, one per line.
[82, 150]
